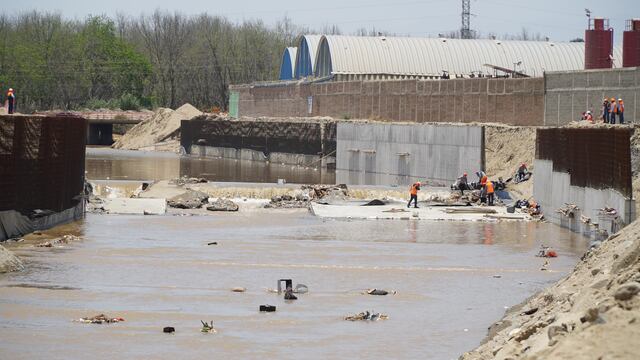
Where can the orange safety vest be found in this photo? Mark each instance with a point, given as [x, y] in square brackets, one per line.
[621, 107]
[489, 187]
[613, 108]
[414, 189]
[483, 180]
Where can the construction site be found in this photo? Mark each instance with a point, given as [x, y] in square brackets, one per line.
[286, 218]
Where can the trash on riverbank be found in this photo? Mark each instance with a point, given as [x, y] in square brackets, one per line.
[99, 319]
[367, 316]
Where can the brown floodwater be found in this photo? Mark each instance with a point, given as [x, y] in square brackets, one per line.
[452, 281]
[106, 163]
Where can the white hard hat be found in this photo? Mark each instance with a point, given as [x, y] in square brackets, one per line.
[588, 112]
[10, 89]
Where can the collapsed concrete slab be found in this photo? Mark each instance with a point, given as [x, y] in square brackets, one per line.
[399, 211]
[135, 206]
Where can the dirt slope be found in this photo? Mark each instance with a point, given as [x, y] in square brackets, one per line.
[158, 128]
[506, 147]
[593, 313]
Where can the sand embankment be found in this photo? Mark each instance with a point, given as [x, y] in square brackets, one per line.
[158, 132]
[8, 261]
[593, 313]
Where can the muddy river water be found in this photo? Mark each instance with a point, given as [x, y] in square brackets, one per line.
[452, 281]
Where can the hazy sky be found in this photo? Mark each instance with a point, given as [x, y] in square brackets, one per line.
[561, 20]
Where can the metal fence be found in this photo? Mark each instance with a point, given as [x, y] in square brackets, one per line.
[595, 158]
[41, 162]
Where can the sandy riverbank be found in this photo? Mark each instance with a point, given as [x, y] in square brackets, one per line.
[593, 313]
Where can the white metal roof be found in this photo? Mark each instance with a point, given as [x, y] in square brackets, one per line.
[430, 56]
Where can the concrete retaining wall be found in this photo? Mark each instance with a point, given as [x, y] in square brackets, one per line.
[253, 155]
[553, 190]
[508, 101]
[399, 154]
[568, 94]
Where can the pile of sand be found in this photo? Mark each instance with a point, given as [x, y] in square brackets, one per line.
[506, 147]
[593, 313]
[164, 124]
[8, 261]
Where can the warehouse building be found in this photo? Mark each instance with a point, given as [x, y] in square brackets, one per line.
[386, 58]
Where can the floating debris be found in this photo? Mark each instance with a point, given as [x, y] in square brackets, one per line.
[58, 241]
[381, 292]
[99, 319]
[367, 316]
[168, 329]
[267, 308]
[238, 289]
[208, 328]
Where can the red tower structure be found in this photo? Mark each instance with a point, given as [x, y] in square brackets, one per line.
[598, 45]
[631, 44]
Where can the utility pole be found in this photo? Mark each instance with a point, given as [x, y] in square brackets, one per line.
[465, 30]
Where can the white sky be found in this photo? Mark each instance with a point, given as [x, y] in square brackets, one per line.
[560, 20]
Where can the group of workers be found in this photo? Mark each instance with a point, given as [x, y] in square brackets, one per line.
[611, 109]
[487, 188]
[10, 102]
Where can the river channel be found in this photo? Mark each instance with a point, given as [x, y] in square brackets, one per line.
[453, 279]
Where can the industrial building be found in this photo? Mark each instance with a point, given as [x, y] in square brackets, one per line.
[381, 57]
[288, 64]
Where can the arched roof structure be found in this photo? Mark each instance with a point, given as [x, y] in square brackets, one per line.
[429, 57]
[306, 56]
[288, 64]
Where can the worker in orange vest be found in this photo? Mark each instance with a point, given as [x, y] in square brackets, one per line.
[11, 102]
[489, 191]
[621, 111]
[414, 194]
[613, 109]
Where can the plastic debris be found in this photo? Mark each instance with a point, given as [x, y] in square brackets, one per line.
[367, 316]
[99, 319]
[213, 243]
[168, 329]
[375, 291]
[238, 289]
[267, 308]
[547, 252]
[301, 289]
[208, 327]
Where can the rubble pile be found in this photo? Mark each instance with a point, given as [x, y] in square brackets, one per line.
[65, 239]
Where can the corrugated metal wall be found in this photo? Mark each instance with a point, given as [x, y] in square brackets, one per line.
[594, 158]
[308, 137]
[41, 162]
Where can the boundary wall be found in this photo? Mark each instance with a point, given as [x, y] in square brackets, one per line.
[400, 154]
[572, 168]
[306, 142]
[568, 94]
[508, 101]
[41, 172]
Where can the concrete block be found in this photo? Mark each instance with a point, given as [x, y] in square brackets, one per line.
[135, 206]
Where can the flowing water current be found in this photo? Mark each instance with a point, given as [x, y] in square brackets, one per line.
[453, 279]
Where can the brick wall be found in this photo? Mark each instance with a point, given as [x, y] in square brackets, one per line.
[509, 101]
[570, 93]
